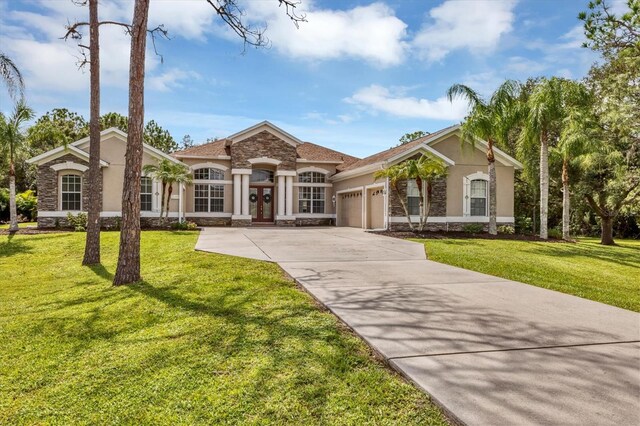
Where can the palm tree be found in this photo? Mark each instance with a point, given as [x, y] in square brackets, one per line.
[11, 76]
[491, 121]
[425, 170]
[575, 140]
[11, 138]
[179, 174]
[546, 111]
[160, 172]
[396, 174]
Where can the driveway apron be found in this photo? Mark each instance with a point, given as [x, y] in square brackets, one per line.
[488, 350]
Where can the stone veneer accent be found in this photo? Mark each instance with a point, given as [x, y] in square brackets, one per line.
[264, 144]
[240, 222]
[438, 202]
[287, 222]
[314, 221]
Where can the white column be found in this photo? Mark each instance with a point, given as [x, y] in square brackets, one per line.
[237, 194]
[289, 185]
[245, 195]
[281, 192]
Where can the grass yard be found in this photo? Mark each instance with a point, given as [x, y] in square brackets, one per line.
[607, 274]
[204, 339]
[20, 225]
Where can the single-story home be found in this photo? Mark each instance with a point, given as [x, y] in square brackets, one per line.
[264, 175]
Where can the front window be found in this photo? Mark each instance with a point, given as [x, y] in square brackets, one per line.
[310, 199]
[146, 194]
[71, 192]
[260, 175]
[478, 204]
[209, 198]
[413, 197]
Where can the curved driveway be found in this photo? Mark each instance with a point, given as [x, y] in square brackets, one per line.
[490, 351]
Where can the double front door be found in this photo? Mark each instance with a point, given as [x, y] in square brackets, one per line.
[261, 203]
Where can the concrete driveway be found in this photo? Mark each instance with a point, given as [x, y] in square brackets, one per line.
[490, 351]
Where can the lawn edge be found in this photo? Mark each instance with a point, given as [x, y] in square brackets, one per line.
[449, 416]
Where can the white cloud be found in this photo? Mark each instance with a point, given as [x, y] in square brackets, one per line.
[522, 66]
[170, 79]
[190, 20]
[372, 33]
[474, 25]
[378, 98]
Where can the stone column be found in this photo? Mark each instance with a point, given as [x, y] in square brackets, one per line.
[245, 195]
[289, 200]
[281, 194]
[237, 191]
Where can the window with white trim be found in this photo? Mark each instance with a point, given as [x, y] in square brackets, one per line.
[208, 197]
[312, 177]
[208, 174]
[146, 194]
[261, 176]
[311, 198]
[478, 197]
[413, 198]
[71, 192]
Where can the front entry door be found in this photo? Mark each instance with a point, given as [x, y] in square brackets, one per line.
[261, 203]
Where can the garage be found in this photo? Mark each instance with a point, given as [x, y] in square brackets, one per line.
[375, 208]
[350, 209]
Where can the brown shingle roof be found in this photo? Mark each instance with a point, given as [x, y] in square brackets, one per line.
[392, 152]
[209, 149]
[313, 152]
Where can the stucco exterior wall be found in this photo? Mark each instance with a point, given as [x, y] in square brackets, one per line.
[471, 160]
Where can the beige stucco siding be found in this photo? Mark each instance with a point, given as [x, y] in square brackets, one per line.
[470, 160]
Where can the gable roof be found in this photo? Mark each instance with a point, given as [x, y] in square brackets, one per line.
[74, 148]
[119, 134]
[426, 143]
[216, 148]
[59, 152]
[261, 127]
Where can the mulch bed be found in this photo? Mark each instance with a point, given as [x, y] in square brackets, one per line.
[464, 235]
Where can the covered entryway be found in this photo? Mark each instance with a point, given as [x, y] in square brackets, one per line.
[350, 209]
[375, 208]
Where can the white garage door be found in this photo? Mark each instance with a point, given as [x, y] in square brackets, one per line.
[350, 209]
[375, 208]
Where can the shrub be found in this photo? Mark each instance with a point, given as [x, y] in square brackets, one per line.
[473, 228]
[27, 204]
[524, 225]
[506, 229]
[78, 222]
[555, 233]
[184, 225]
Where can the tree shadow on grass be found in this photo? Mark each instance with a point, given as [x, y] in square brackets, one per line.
[620, 255]
[12, 247]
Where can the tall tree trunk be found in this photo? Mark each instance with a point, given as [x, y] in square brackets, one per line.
[493, 209]
[128, 269]
[566, 212]
[162, 197]
[404, 205]
[544, 186]
[92, 245]
[427, 207]
[606, 224]
[169, 192]
[13, 212]
[420, 204]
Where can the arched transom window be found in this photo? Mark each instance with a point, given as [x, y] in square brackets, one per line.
[208, 174]
[312, 177]
[261, 176]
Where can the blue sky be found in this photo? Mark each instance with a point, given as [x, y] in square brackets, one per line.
[355, 77]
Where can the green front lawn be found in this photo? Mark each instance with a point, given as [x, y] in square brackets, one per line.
[205, 338]
[607, 274]
[20, 225]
